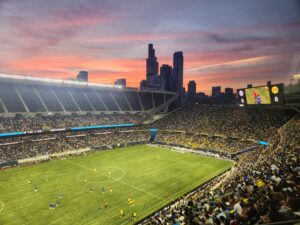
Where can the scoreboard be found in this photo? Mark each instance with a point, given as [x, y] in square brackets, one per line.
[262, 95]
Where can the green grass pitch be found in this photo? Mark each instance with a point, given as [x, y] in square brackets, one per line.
[152, 176]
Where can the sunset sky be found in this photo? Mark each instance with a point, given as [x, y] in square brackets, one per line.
[227, 43]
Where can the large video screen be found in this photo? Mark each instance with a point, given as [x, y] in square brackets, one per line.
[258, 96]
[262, 95]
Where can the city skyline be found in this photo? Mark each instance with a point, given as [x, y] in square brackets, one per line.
[229, 44]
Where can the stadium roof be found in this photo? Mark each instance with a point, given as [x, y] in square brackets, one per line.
[56, 81]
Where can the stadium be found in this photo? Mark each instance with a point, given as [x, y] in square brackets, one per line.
[84, 153]
[153, 112]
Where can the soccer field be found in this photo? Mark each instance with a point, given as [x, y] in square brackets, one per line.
[152, 176]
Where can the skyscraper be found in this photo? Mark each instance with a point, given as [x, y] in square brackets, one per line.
[83, 76]
[151, 63]
[216, 91]
[121, 82]
[177, 77]
[166, 74]
[229, 91]
[191, 91]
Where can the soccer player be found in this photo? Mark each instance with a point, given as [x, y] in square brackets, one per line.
[57, 203]
[105, 204]
[129, 201]
[133, 216]
[35, 188]
[132, 202]
[47, 178]
[91, 189]
[122, 214]
[60, 195]
[51, 206]
[258, 100]
[103, 190]
[110, 190]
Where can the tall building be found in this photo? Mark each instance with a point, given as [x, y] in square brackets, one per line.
[143, 84]
[249, 85]
[269, 83]
[191, 91]
[216, 91]
[177, 77]
[154, 83]
[151, 63]
[121, 82]
[229, 96]
[166, 74]
[83, 76]
[229, 91]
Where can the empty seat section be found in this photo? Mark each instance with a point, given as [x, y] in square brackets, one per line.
[120, 99]
[10, 98]
[158, 99]
[48, 97]
[146, 99]
[95, 100]
[30, 98]
[65, 99]
[108, 101]
[81, 100]
[133, 100]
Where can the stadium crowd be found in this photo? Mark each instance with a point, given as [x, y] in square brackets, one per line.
[262, 187]
[12, 124]
[242, 123]
[245, 124]
[196, 141]
[46, 144]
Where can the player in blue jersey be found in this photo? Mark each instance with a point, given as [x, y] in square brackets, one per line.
[51, 206]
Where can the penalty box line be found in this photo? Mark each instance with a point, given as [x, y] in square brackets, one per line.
[139, 189]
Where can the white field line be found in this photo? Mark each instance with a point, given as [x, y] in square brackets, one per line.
[78, 176]
[148, 193]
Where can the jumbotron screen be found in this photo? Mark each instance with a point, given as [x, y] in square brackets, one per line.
[262, 95]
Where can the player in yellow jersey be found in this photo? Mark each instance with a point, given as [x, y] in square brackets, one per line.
[132, 202]
[122, 214]
[133, 216]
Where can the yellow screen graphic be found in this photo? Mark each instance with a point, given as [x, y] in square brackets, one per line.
[258, 95]
[275, 90]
